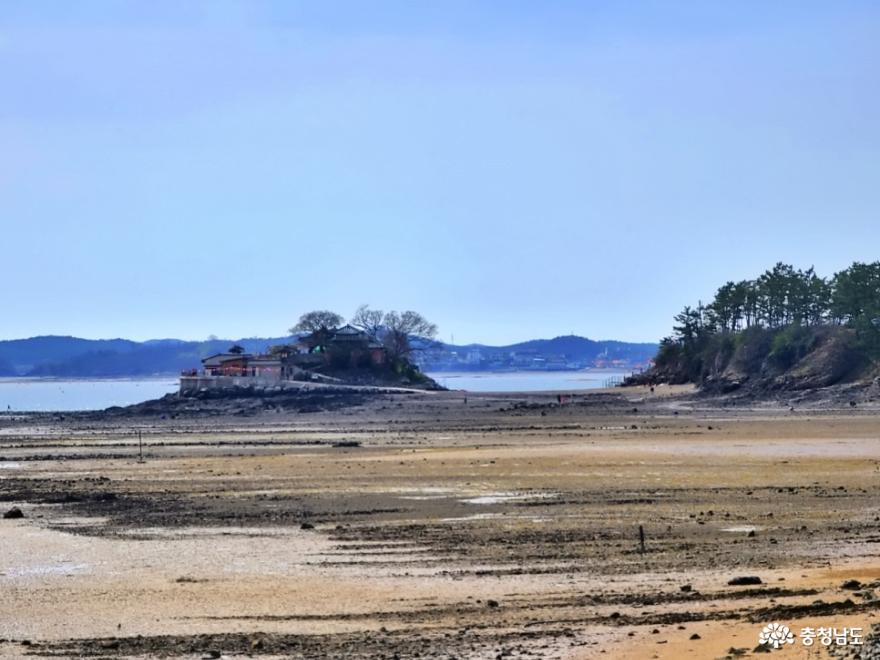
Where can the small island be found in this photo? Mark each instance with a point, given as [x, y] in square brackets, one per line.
[374, 349]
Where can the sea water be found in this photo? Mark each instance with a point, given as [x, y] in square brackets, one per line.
[529, 381]
[51, 394]
[41, 394]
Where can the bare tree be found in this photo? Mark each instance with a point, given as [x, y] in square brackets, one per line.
[400, 330]
[320, 325]
[368, 320]
[321, 319]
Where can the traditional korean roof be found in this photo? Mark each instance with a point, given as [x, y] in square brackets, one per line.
[349, 330]
[350, 333]
[219, 358]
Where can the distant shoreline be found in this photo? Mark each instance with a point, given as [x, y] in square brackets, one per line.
[446, 374]
[70, 379]
[585, 370]
[65, 394]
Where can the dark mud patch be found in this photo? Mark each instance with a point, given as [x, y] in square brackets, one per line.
[512, 609]
[242, 404]
[98, 497]
[816, 609]
[445, 644]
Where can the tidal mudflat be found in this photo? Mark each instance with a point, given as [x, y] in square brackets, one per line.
[417, 525]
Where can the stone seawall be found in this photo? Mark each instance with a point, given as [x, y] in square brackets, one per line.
[192, 385]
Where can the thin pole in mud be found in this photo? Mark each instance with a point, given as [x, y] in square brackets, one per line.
[641, 539]
[140, 448]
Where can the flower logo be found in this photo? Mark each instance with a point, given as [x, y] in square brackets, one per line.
[776, 635]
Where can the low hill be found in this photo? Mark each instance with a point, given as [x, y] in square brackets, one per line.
[763, 361]
[90, 358]
[21, 356]
[568, 351]
[86, 358]
[581, 348]
[787, 330]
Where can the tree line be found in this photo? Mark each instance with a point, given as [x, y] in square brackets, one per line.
[784, 296]
[782, 305]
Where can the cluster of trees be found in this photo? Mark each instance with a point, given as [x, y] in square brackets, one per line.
[784, 296]
[783, 301]
[402, 333]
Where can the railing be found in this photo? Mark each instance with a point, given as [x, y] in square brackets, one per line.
[617, 381]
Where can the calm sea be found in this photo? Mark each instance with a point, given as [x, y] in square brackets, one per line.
[529, 381]
[41, 394]
[51, 394]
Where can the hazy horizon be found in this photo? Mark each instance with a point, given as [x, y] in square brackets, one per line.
[216, 337]
[512, 171]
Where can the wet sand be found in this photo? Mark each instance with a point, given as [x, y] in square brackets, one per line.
[415, 525]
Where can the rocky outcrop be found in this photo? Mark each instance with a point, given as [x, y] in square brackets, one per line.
[805, 359]
[765, 362]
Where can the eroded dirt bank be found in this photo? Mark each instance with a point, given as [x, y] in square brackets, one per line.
[418, 525]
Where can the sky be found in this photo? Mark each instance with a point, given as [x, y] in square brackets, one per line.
[509, 169]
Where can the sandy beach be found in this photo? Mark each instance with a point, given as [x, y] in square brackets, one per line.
[421, 525]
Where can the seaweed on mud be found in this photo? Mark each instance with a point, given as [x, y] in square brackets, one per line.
[435, 643]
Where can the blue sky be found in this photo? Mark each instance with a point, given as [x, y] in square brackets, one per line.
[510, 169]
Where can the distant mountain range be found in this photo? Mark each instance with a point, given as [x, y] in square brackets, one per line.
[91, 358]
[86, 358]
[560, 353]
